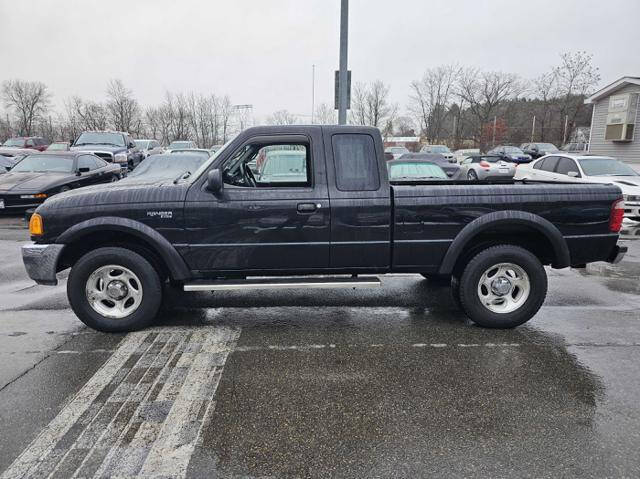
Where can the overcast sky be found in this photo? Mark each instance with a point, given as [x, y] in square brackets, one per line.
[261, 51]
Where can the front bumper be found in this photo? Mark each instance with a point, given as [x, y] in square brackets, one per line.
[617, 254]
[631, 209]
[11, 204]
[41, 262]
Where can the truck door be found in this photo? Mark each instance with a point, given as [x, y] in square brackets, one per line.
[272, 213]
[360, 199]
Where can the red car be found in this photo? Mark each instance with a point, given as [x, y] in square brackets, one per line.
[32, 142]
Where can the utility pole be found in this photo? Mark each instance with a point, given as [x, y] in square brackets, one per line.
[566, 124]
[342, 75]
[533, 128]
[495, 121]
[313, 91]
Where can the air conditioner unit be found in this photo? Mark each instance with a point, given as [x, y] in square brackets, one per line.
[621, 117]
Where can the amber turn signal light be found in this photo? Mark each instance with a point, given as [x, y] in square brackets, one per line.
[36, 227]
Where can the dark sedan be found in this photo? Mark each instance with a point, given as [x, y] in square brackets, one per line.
[451, 169]
[512, 154]
[39, 176]
[536, 150]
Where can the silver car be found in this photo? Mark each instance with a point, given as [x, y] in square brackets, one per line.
[486, 167]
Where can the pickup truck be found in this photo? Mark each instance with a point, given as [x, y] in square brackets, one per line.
[334, 221]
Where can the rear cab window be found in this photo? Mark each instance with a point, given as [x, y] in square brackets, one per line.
[355, 162]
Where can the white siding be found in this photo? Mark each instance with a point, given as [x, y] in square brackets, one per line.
[625, 151]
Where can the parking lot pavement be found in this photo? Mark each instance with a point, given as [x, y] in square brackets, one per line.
[367, 383]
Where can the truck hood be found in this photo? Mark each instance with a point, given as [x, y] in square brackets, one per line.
[18, 182]
[130, 192]
[108, 148]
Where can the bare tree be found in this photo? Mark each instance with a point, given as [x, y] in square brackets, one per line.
[431, 98]
[484, 93]
[370, 105]
[545, 92]
[325, 115]
[29, 101]
[122, 107]
[85, 115]
[282, 117]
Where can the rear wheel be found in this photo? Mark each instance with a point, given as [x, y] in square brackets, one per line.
[114, 290]
[472, 175]
[503, 287]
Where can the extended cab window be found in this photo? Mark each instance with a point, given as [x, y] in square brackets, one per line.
[356, 162]
[269, 165]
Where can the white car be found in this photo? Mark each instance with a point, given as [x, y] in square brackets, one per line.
[587, 169]
[396, 151]
[461, 155]
[440, 150]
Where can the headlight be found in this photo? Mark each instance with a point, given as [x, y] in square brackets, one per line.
[120, 158]
[30, 197]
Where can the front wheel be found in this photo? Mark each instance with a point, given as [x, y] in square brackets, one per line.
[472, 175]
[503, 287]
[114, 290]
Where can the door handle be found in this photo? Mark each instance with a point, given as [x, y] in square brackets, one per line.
[308, 207]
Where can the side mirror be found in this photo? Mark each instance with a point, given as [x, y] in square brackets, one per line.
[82, 170]
[573, 174]
[214, 181]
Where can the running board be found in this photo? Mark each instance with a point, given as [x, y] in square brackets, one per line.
[285, 283]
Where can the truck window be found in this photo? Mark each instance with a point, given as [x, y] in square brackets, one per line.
[356, 162]
[269, 165]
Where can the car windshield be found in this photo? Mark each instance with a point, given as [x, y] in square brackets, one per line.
[439, 149]
[180, 144]
[548, 147]
[397, 149]
[14, 142]
[606, 167]
[57, 146]
[203, 153]
[42, 163]
[167, 166]
[100, 138]
[413, 170]
[144, 144]
[513, 150]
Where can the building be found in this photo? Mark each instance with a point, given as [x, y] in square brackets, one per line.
[411, 143]
[616, 112]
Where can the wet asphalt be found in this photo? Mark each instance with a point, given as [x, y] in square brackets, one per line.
[392, 382]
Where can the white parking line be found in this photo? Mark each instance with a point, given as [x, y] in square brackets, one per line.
[141, 414]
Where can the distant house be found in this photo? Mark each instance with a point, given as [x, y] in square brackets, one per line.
[616, 113]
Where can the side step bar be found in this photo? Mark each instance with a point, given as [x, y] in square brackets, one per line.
[285, 283]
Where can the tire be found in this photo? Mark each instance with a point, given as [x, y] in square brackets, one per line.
[114, 178]
[88, 278]
[503, 267]
[472, 175]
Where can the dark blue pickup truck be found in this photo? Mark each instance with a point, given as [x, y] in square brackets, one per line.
[312, 207]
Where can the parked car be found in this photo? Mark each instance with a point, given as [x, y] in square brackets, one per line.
[575, 147]
[216, 229]
[112, 146]
[181, 145]
[536, 150]
[148, 147]
[283, 166]
[165, 166]
[31, 142]
[39, 176]
[59, 146]
[465, 153]
[396, 151]
[512, 154]
[588, 169]
[486, 167]
[414, 170]
[451, 169]
[194, 151]
[439, 150]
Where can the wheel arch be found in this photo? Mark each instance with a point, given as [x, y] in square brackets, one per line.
[509, 227]
[115, 231]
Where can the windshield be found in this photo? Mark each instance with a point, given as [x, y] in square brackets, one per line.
[14, 142]
[100, 138]
[398, 149]
[513, 150]
[548, 147]
[203, 153]
[180, 144]
[144, 144]
[58, 146]
[167, 166]
[439, 149]
[42, 163]
[205, 165]
[415, 170]
[606, 167]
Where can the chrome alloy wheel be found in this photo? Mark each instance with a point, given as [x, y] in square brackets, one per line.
[114, 291]
[504, 287]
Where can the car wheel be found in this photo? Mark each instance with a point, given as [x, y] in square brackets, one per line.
[114, 178]
[472, 175]
[114, 290]
[503, 287]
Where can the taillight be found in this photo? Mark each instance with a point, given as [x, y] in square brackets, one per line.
[484, 164]
[617, 215]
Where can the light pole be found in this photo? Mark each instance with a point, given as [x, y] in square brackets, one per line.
[313, 91]
[342, 75]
